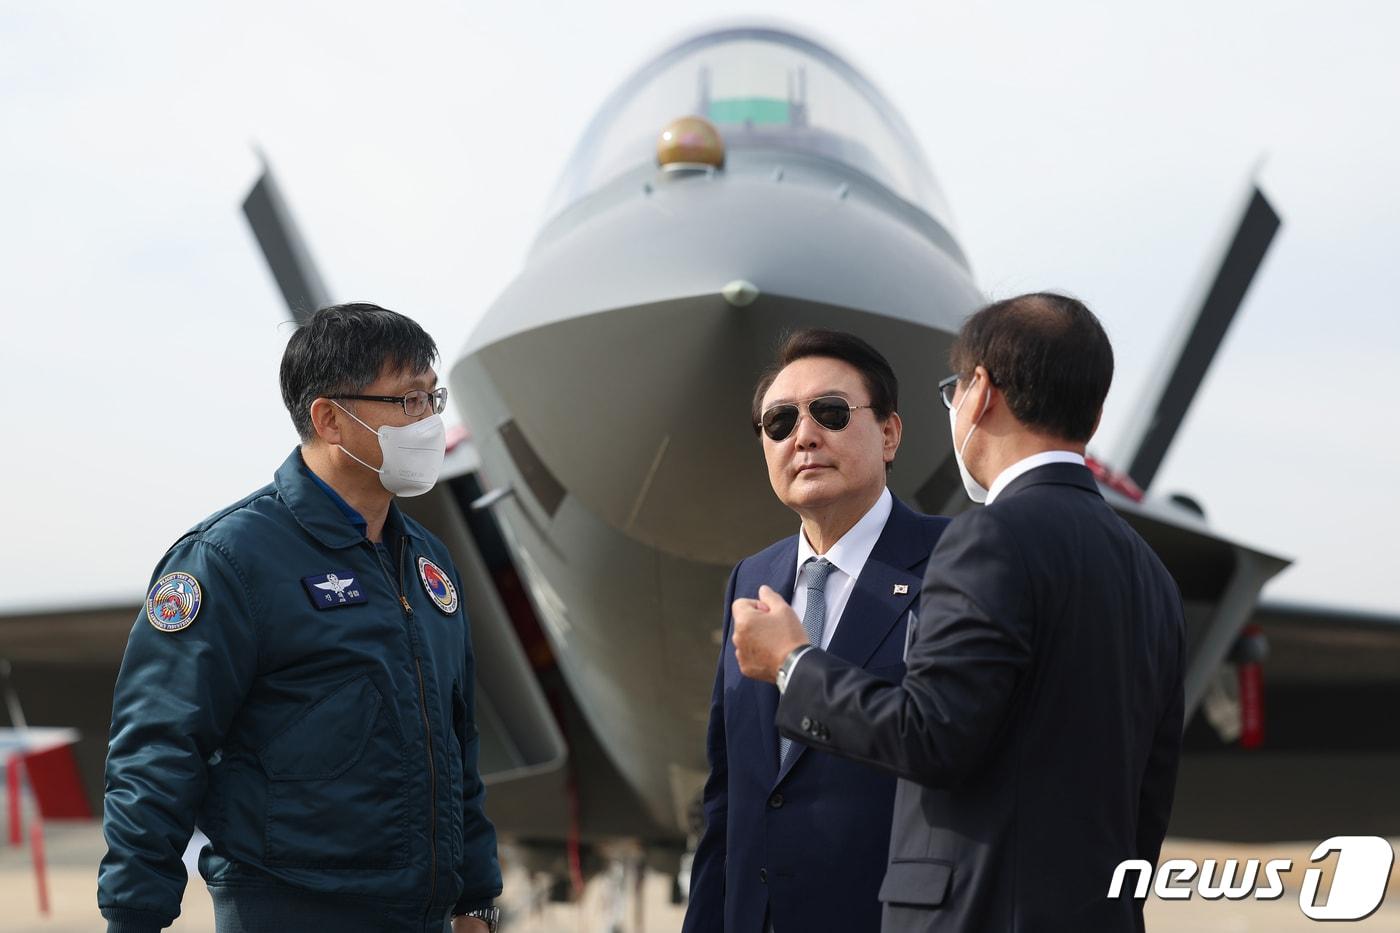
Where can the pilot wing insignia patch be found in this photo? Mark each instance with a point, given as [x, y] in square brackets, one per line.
[333, 590]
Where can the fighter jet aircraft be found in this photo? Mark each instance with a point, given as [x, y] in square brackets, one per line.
[742, 183]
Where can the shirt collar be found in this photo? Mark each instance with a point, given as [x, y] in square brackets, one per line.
[1020, 467]
[852, 550]
[346, 509]
[323, 513]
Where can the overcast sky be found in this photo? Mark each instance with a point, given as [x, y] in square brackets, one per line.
[1086, 147]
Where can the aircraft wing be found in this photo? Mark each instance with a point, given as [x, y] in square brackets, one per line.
[1219, 577]
[1330, 751]
[79, 635]
[1316, 644]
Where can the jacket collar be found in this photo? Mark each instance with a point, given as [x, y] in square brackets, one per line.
[903, 543]
[855, 546]
[320, 515]
[1061, 474]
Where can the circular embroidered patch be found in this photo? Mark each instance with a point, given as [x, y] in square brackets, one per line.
[173, 602]
[439, 587]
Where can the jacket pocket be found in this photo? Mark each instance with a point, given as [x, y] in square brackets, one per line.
[337, 794]
[916, 882]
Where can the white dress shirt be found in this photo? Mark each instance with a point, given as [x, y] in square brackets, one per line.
[1016, 469]
[848, 556]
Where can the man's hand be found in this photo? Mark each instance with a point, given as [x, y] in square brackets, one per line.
[469, 925]
[766, 630]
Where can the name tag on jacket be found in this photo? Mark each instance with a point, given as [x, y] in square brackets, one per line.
[333, 590]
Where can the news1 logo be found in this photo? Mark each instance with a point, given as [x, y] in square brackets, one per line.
[1358, 881]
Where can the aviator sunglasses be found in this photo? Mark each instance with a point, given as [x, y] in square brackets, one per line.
[830, 411]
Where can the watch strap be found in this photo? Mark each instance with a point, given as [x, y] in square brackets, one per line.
[785, 670]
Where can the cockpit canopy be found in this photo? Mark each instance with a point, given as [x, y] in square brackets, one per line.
[764, 89]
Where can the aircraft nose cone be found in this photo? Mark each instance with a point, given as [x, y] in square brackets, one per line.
[619, 367]
[643, 414]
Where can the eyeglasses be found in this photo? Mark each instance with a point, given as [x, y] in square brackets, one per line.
[415, 403]
[830, 411]
[947, 388]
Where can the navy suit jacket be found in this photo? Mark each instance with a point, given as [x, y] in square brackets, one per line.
[1038, 730]
[805, 844]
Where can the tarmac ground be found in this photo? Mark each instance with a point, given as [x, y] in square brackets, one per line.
[74, 849]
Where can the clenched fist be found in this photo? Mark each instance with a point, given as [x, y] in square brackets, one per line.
[766, 630]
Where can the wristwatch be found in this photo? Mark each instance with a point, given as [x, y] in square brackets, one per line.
[491, 916]
[786, 669]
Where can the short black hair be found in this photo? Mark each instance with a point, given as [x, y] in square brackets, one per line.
[1048, 355]
[343, 348]
[874, 369]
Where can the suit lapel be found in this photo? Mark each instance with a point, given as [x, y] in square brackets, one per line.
[874, 606]
[873, 609]
[781, 575]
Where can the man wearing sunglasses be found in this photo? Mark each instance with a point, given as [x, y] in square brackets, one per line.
[1038, 729]
[300, 681]
[795, 839]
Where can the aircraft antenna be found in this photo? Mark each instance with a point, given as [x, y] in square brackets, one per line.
[703, 90]
[799, 108]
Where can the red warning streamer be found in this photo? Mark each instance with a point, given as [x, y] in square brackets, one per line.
[12, 789]
[1251, 698]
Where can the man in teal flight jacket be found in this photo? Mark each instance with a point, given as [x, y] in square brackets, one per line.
[299, 683]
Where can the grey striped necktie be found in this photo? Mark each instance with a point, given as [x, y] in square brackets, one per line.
[814, 571]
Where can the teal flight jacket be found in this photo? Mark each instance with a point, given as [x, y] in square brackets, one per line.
[305, 697]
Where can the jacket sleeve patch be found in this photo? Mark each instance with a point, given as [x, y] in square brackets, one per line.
[173, 602]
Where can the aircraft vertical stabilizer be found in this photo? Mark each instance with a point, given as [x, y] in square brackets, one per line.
[287, 255]
[1171, 389]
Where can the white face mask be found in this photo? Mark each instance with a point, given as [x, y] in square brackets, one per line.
[975, 490]
[413, 454]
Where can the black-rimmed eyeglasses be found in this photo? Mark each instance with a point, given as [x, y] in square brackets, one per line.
[415, 403]
[947, 388]
[830, 411]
